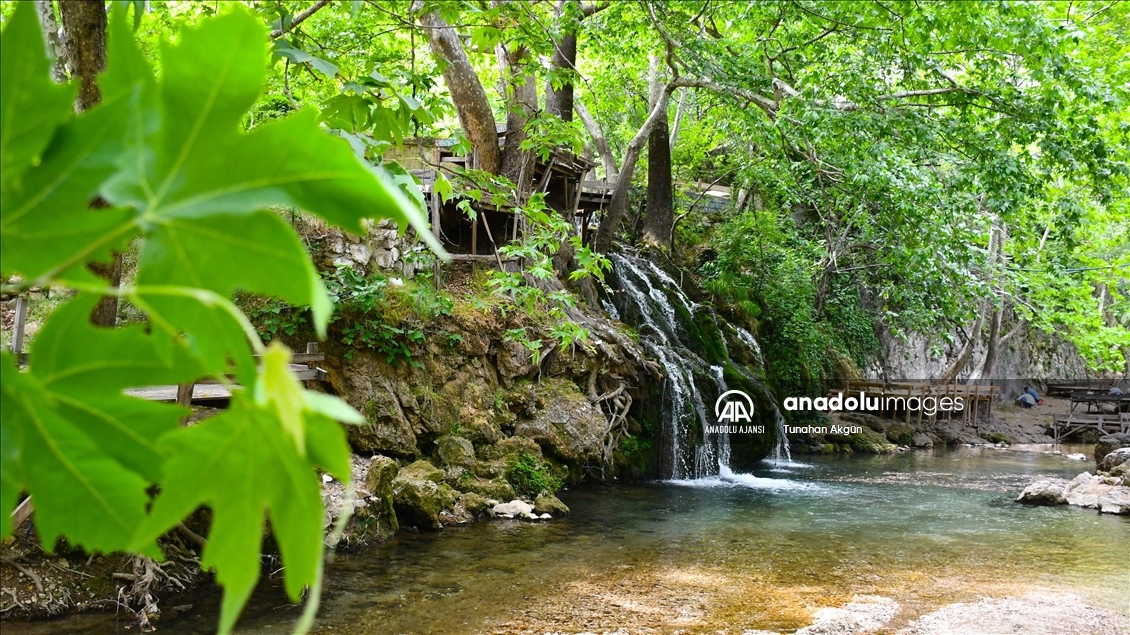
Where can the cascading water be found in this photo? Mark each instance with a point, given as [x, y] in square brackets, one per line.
[651, 300]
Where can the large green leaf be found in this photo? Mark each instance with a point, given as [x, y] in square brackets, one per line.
[244, 465]
[31, 104]
[283, 269]
[85, 451]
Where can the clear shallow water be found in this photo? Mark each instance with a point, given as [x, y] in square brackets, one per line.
[743, 551]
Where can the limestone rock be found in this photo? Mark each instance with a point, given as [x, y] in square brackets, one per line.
[498, 488]
[923, 440]
[1109, 443]
[1114, 459]
[456, 451]
[473, 504]
[387, 430]
[419, 495]
[567, 424]
[1105, 493]
[1045, 491]
[550, 504]
[515, 508]
[374, 518]
[513, 360]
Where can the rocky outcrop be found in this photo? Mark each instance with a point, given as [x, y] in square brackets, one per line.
[374, 517]
[420, 495]
[565, 423]
[1109, 443]
[1108, 494]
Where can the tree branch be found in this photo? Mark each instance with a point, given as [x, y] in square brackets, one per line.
[299, 19]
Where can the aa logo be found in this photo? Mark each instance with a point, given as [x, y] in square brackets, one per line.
[733, 406]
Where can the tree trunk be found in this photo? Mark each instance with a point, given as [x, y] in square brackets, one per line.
[559, 102]
[84, 41]
[618, 206]
[46, 11]
[992, 350]
[599, 141]
[966, 353]
[521, 98]
[660, 211]
[470, 99]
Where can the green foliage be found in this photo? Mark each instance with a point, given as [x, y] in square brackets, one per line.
[165, 151]
[530, 476]
[382, 315]
[763, 271]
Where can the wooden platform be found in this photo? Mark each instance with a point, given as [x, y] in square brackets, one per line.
[1103, 412]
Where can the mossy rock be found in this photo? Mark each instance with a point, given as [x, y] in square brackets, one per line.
[869, 441]
[509, 447]
[419, 495]
[900, 434]
[473, 505]
[498, 488]
[423, 470]
[995, 437]
[550, 504]
[455, 451]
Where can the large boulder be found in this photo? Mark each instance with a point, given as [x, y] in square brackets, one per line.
[566, 423]
[1109, 443]
[1114, 459]
[550, 504]
[1045, 491]
[419, 495]
[1105, 493]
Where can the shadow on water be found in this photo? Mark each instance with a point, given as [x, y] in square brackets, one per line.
[828, 526]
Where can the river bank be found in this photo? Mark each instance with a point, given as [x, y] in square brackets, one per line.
[765, 551]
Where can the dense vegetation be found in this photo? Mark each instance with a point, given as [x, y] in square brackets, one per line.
[954, 170]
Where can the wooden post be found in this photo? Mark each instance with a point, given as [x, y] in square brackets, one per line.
[18, 327]
[434, 204]
[184, 394]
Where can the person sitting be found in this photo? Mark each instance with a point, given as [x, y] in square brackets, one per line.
[1025, 399]
[1032, 391]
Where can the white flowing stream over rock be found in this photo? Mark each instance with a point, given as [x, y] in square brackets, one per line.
[648, 298]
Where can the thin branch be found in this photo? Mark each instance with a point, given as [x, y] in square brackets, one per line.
[299, 19]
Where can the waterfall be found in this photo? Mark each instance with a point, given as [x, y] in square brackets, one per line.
[647, 298]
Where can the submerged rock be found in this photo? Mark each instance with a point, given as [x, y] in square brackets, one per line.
[864, 614]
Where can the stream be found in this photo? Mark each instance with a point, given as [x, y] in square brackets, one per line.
[729, 551]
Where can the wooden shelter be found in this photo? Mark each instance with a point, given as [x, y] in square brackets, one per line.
[560, 176]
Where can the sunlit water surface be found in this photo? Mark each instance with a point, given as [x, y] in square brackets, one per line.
[756, 550]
